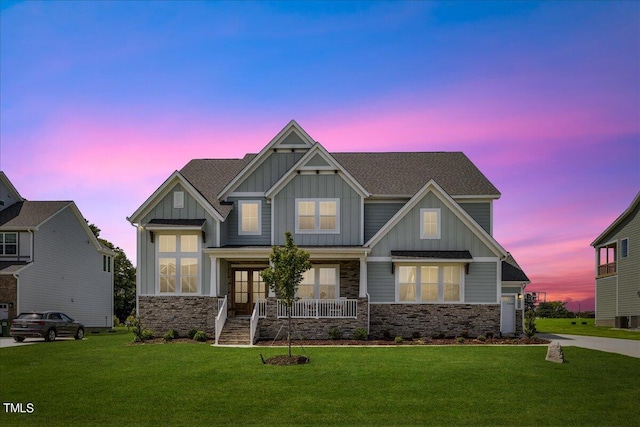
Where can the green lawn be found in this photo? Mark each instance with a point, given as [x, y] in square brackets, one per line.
[104, 381]
[566, 326]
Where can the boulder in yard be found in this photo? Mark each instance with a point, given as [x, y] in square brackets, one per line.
[554, 353]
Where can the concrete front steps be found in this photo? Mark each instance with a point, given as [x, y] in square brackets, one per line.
[236, 331]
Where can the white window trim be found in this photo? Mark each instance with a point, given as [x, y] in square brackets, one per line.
[178, 199]
[316, 229]
[176, 254]
[438, 223]
[628, 248]
[316, 279]
[240, 207]
[440, 283]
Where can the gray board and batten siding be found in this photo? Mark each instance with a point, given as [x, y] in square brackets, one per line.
[481, 212]
[455, 234]
[269, 171]
[480, 285]
[164, 210]
[232, 224]
[71, 277]
[318, 186]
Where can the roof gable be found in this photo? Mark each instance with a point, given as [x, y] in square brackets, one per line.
[27, 215]
[7, 188]
[292, 137]
[433, 187]
[633, 207]
[317, 159]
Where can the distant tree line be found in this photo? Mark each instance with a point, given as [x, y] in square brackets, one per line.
[559, 310]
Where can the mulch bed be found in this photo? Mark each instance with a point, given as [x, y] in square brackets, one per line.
[418, 341]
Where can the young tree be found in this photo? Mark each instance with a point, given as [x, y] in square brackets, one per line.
[124, 279]
[287, 264]
[529, 316]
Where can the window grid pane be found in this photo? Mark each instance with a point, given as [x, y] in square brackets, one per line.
[189, 243]
[167, 243]
[249, 220]
[407, 284]
[430, 223]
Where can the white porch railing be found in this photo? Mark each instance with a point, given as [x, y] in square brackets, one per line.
[259, 312]
[321, 308]
[221, 318]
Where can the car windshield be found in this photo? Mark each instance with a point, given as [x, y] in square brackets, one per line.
[30, 316]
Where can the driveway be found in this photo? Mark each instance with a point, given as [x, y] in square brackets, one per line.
[611, 345]
[6, 342]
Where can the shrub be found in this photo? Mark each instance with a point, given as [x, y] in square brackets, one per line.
[360, 334]
[137, 329]
[171, 334]
[334, 333]
[200, 336]
[399, 340]
[460, 340]
[116, 321]
[530, 323]
[482, 338]
[192, 333]
[147, 334]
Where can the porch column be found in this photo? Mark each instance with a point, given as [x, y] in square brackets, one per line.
[363, 277]
[214, 277]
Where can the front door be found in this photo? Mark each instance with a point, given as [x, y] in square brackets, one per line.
[248, 288]
[508, 314]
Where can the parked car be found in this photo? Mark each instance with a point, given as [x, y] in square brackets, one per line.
[45, 324]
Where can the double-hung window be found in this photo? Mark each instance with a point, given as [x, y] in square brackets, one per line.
[249, 217]
[8, 243]
[178, 260]
[624, 248]
[430, 223]
[429, 283]
[320, 282]
[317, 216]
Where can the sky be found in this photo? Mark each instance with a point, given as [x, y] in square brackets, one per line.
[100, 101]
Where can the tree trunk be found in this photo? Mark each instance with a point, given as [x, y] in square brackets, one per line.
[289, 332]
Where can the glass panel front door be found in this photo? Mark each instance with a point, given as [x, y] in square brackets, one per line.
[248, 288]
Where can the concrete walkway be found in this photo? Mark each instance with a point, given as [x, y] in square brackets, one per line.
[611, 345]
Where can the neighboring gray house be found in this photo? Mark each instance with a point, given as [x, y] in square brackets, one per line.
[617, 270]
[50, 260]
[401, 244]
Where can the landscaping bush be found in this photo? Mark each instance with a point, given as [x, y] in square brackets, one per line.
[399, 340]
[171, 334]
[192, 333]
[360, 334]
[116, 321]
[482, 338]
[335, 334]
[147, 334]
[200, 336]
[460, 340]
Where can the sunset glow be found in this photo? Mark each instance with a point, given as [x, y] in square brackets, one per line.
[102, 101]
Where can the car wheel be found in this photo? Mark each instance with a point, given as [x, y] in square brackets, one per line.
[51, 335]
[18, 339]
[80, 334]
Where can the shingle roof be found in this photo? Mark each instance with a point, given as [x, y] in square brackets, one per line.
[511, 271]
[405, 173]
[209, 176]
[11, 267]
[29, 214]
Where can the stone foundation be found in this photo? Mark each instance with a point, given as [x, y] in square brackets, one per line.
[182, 313]
[313, 329]
[430, 320]
[519, 321]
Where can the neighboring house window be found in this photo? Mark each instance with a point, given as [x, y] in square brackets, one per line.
[429, 283]
[320, 282]
[607, 260]
[429, 223]
[624, 248]
[250, 214]
[178, 199]
[8, 243]
[178, 260]
[106, 263]
[317, 216]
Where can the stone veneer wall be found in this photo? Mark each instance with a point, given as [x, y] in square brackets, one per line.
[9, 293]
[313, 329]
[519, 322]
[182, 313]
[429, 320]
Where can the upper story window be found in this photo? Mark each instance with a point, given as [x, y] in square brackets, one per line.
[8, 243]
[607, 260]
[317, 216]
[624, 248]
[429, 283]
[106, 263]
[430, 223]
[249, 217]
[320, 282]
[178, 259]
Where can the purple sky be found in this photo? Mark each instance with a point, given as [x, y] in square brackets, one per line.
[101, 101]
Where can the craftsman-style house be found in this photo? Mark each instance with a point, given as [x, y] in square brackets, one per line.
[401, 244]
[50, 260]
[617, 270]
